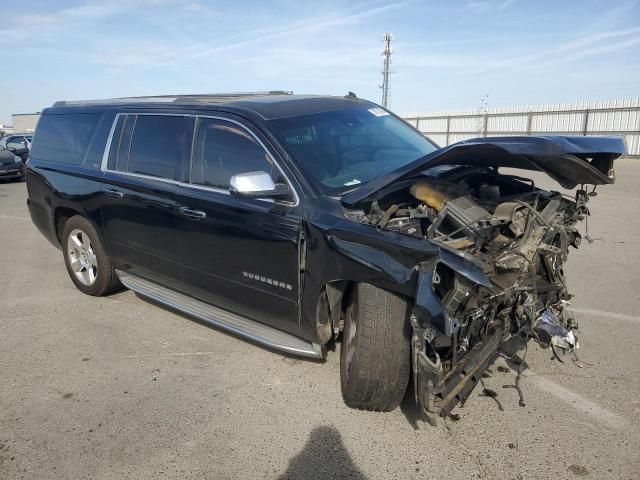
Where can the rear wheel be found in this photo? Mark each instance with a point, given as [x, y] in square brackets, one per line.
[86, 260]
[375, 357]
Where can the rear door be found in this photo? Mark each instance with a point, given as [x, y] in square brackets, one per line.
[241, 254]
[148, 159]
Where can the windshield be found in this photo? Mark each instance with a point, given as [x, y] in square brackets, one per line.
[345, 148]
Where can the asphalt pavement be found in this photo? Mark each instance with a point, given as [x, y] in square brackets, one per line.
[118, 387]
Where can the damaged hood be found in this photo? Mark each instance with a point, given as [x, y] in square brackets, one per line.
[568, 160]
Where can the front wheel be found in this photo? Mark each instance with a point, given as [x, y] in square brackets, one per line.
[375, 357]
[86, 260]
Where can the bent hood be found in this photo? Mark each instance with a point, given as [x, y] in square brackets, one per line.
[568, 160]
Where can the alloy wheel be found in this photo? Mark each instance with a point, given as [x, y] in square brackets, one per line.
[82, 257]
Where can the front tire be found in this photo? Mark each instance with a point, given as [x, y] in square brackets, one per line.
[375, 357]
[86, 260]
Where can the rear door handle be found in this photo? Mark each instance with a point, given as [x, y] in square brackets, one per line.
[113, 193]
[195, 214]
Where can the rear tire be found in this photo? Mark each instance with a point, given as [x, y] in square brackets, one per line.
[86, 260]
[375, 357]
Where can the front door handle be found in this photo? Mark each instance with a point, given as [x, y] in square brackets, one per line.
[113, 193]
[195, 214]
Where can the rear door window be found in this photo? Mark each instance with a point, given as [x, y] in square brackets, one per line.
[153, 145]
[224, 149]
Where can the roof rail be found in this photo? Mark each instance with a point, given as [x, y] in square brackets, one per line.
[197, 98]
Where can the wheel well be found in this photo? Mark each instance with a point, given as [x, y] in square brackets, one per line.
[338, 294]
[62, 215]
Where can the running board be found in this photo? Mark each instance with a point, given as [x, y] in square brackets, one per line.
[258, 332]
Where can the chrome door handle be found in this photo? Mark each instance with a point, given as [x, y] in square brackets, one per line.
[195, 214]
[113, 193]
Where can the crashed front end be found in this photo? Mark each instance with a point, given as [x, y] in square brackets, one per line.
[496, 276]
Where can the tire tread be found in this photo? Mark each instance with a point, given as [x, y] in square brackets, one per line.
[381, 364]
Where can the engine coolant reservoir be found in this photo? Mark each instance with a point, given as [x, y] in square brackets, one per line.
[435, 193]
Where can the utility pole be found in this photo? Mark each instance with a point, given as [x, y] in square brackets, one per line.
[387, 38]
[483, 118]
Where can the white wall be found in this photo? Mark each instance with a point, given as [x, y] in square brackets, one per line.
[25, 122]
[601, 117]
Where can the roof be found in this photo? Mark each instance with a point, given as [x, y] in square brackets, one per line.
[201, 98]
[268, 105]
[296, 105]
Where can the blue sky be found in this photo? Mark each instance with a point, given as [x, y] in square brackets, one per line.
[447, 54]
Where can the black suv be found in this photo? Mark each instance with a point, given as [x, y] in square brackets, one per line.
[296, 220]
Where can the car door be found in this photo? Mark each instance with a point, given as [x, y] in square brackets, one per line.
[18, 145]
[240, 254]
[147, 159]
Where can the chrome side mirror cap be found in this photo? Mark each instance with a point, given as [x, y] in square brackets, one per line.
[257, 185]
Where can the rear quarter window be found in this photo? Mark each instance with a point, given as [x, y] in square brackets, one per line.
[64, 138]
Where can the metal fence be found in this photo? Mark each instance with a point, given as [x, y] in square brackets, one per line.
[615, 117]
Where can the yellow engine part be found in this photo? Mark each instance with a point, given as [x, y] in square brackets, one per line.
[435, 195]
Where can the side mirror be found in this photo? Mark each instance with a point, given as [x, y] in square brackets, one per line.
[257, 185]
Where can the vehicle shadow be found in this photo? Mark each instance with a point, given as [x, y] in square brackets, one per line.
[323, 456]
[410, 410]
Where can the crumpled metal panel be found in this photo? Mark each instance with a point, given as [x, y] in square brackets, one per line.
[562, 158]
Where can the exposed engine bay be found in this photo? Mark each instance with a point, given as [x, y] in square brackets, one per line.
[519, 236]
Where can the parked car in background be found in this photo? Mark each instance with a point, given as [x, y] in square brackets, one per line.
[11, 165]
[18, 143]
[297, 220]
